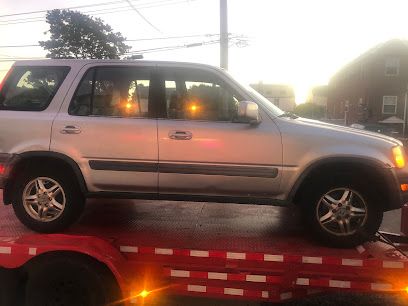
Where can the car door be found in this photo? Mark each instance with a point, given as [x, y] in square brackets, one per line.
[107, 126]
[202, 151]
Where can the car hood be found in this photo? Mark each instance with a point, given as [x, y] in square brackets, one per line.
[336, 129]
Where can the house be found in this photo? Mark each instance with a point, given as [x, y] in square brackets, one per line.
[318, 95]
[283, 96]
[373, 87]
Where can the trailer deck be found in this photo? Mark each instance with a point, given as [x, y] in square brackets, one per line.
[206, 249]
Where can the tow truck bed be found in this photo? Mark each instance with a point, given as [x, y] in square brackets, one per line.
[205, 249]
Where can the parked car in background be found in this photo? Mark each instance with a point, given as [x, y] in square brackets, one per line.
[376, 127]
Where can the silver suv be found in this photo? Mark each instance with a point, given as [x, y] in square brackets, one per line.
[77, 129]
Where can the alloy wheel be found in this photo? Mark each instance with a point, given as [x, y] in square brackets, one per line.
[44, 199]
[341, 211]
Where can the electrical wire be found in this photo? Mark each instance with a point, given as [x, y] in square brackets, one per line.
[128, 40]
[142, 16]
[99, 12]
[66, 8]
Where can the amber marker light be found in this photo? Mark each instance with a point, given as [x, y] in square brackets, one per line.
[404, 187]
[399, 159]
[144, 293]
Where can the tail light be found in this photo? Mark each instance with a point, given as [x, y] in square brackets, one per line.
[5, 78]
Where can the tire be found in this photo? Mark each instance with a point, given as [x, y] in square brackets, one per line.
[334, 211]
[69, 201]
[59, 280]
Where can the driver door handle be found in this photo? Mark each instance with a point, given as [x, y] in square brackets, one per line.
[180, 135]
[70, 129]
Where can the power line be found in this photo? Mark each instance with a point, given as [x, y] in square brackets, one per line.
[142, 16]
[143, 51]
[66, 8]
[20, 46]
[111, 9]
[97, 12]
[129, 40]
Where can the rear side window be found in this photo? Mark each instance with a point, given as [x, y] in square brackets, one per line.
[31, 88]
[113, 92]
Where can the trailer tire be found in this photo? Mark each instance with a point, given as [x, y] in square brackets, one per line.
[73, 199]
[342, 223]
[69, 280]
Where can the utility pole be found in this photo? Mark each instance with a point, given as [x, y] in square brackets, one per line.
[405, 113]
[223, 34]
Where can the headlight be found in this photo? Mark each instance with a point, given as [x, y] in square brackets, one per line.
[399, 159]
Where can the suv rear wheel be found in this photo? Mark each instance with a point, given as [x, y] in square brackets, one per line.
[344, 213]
[47, 201]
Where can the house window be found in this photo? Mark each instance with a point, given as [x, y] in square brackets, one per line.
[389, 105]
[392, 66]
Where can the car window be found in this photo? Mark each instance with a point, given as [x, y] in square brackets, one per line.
[198, 95]
[113, 92]
[31, 88]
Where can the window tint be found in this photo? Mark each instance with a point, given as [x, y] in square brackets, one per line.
[196, 95]
[113, 91]
[31, 88]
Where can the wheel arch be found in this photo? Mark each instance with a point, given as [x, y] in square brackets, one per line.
[28, 159]
[377, 173]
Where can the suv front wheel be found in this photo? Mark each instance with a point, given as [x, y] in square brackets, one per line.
[343, 214]
[47, 201]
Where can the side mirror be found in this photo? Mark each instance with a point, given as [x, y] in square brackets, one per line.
[248, 112]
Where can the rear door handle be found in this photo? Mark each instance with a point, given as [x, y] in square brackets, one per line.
[70, 129]
[180, 135]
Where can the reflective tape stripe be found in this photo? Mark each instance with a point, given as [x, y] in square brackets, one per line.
[129, 249]
[232, 255]
[216, 275]
[302, 281]
[196, 288]
[233, 291]
[196, 253]
[381, 287]
[393, 264]
[160, 251]
[5, 250]
[360, 249]
[312, 260]
[179, 273]
[32, 251]
[269, 257]
[352, 262]
[339, 284]
[286, 295]
[265, 294]
[256, 278]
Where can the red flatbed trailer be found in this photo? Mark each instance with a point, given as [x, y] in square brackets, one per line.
[204, 249]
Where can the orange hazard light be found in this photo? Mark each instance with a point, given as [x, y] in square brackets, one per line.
[404, 187]
[144, 293]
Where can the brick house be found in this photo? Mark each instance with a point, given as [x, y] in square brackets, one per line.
[373, 87]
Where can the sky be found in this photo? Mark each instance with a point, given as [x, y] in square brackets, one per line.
[297, 42]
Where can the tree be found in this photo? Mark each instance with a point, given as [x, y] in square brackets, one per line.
[76, 35]
[309, 110]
